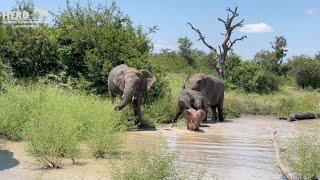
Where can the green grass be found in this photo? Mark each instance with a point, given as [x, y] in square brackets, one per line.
[302, 154]
[149, 161]
[54, 121]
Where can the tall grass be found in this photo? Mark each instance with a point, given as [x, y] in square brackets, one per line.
[148, 161]
[54, 121]
[282, 103]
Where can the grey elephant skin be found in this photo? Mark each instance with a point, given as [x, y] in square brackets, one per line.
[211, 88]
[190, 99]
[130, 83]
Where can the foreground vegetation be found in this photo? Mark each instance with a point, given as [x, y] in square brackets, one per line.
[54, 121]
[302, 154]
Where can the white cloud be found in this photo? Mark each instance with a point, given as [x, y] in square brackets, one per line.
[256, 28]
[311, 11]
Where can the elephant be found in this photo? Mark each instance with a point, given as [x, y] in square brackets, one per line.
[193, 118]
[130, 83]
[211, 88]
[190, 99]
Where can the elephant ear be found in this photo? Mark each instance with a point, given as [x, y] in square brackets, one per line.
[147, 79]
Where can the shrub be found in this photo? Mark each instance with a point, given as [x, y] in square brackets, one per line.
[148, 163]
[161, 111]
[104, 137]
[303, 155]
[5, 75]
[306, 72]
[16, 108]
[251, 78]
[52, 136]
[53, 121]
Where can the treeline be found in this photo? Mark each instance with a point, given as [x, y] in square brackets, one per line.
[85, 43]
[82, 46]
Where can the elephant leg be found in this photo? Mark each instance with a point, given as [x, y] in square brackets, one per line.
[205, 120]
[220, 113]
[179, 111]
[137, 110]
[214, 114]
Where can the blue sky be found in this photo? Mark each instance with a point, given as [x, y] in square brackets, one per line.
[297, 20]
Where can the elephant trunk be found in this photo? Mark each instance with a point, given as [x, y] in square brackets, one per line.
[128, 92]
[125, 101]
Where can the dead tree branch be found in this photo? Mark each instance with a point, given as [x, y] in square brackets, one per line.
[227, 44]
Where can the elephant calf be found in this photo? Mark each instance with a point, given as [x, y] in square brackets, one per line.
[130, 83]
[211, 88]
[193, 118]
[190, 99]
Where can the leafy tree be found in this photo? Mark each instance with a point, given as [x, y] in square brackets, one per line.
[306, 72]
[185, 49]
[25, 5]
[279, 46]
[317, 57]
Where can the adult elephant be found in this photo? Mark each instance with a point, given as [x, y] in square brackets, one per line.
[131, 83]
[190, 99]
[211, 88]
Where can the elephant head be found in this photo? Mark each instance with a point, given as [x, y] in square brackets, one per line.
[196, 82]
[134, 83]
[193, 118]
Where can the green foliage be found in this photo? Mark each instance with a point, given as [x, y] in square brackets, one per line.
[185, 50]
[161, 111]
[306, 72]
[5, 75]
[84, 42]
[251, 78]
[303, 155]
[51, 136]
[104, 139]
[282, 103]
[53, 121]
[92, 42]
[147, 163]
[279, 46]
[30, 52]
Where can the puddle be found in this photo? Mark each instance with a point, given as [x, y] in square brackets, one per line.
[7, 160]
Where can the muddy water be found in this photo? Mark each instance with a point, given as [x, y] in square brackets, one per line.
[239, 149]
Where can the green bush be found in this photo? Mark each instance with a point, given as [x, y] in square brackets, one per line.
[303, 155]
[306, 72]
[105, 137]
[161, 111]
[53, 121]
[16, 108]
[52, 136]
[148, 163]
[5, 75]
[251, 78]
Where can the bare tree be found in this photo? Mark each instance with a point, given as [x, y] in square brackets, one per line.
[228, 43]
